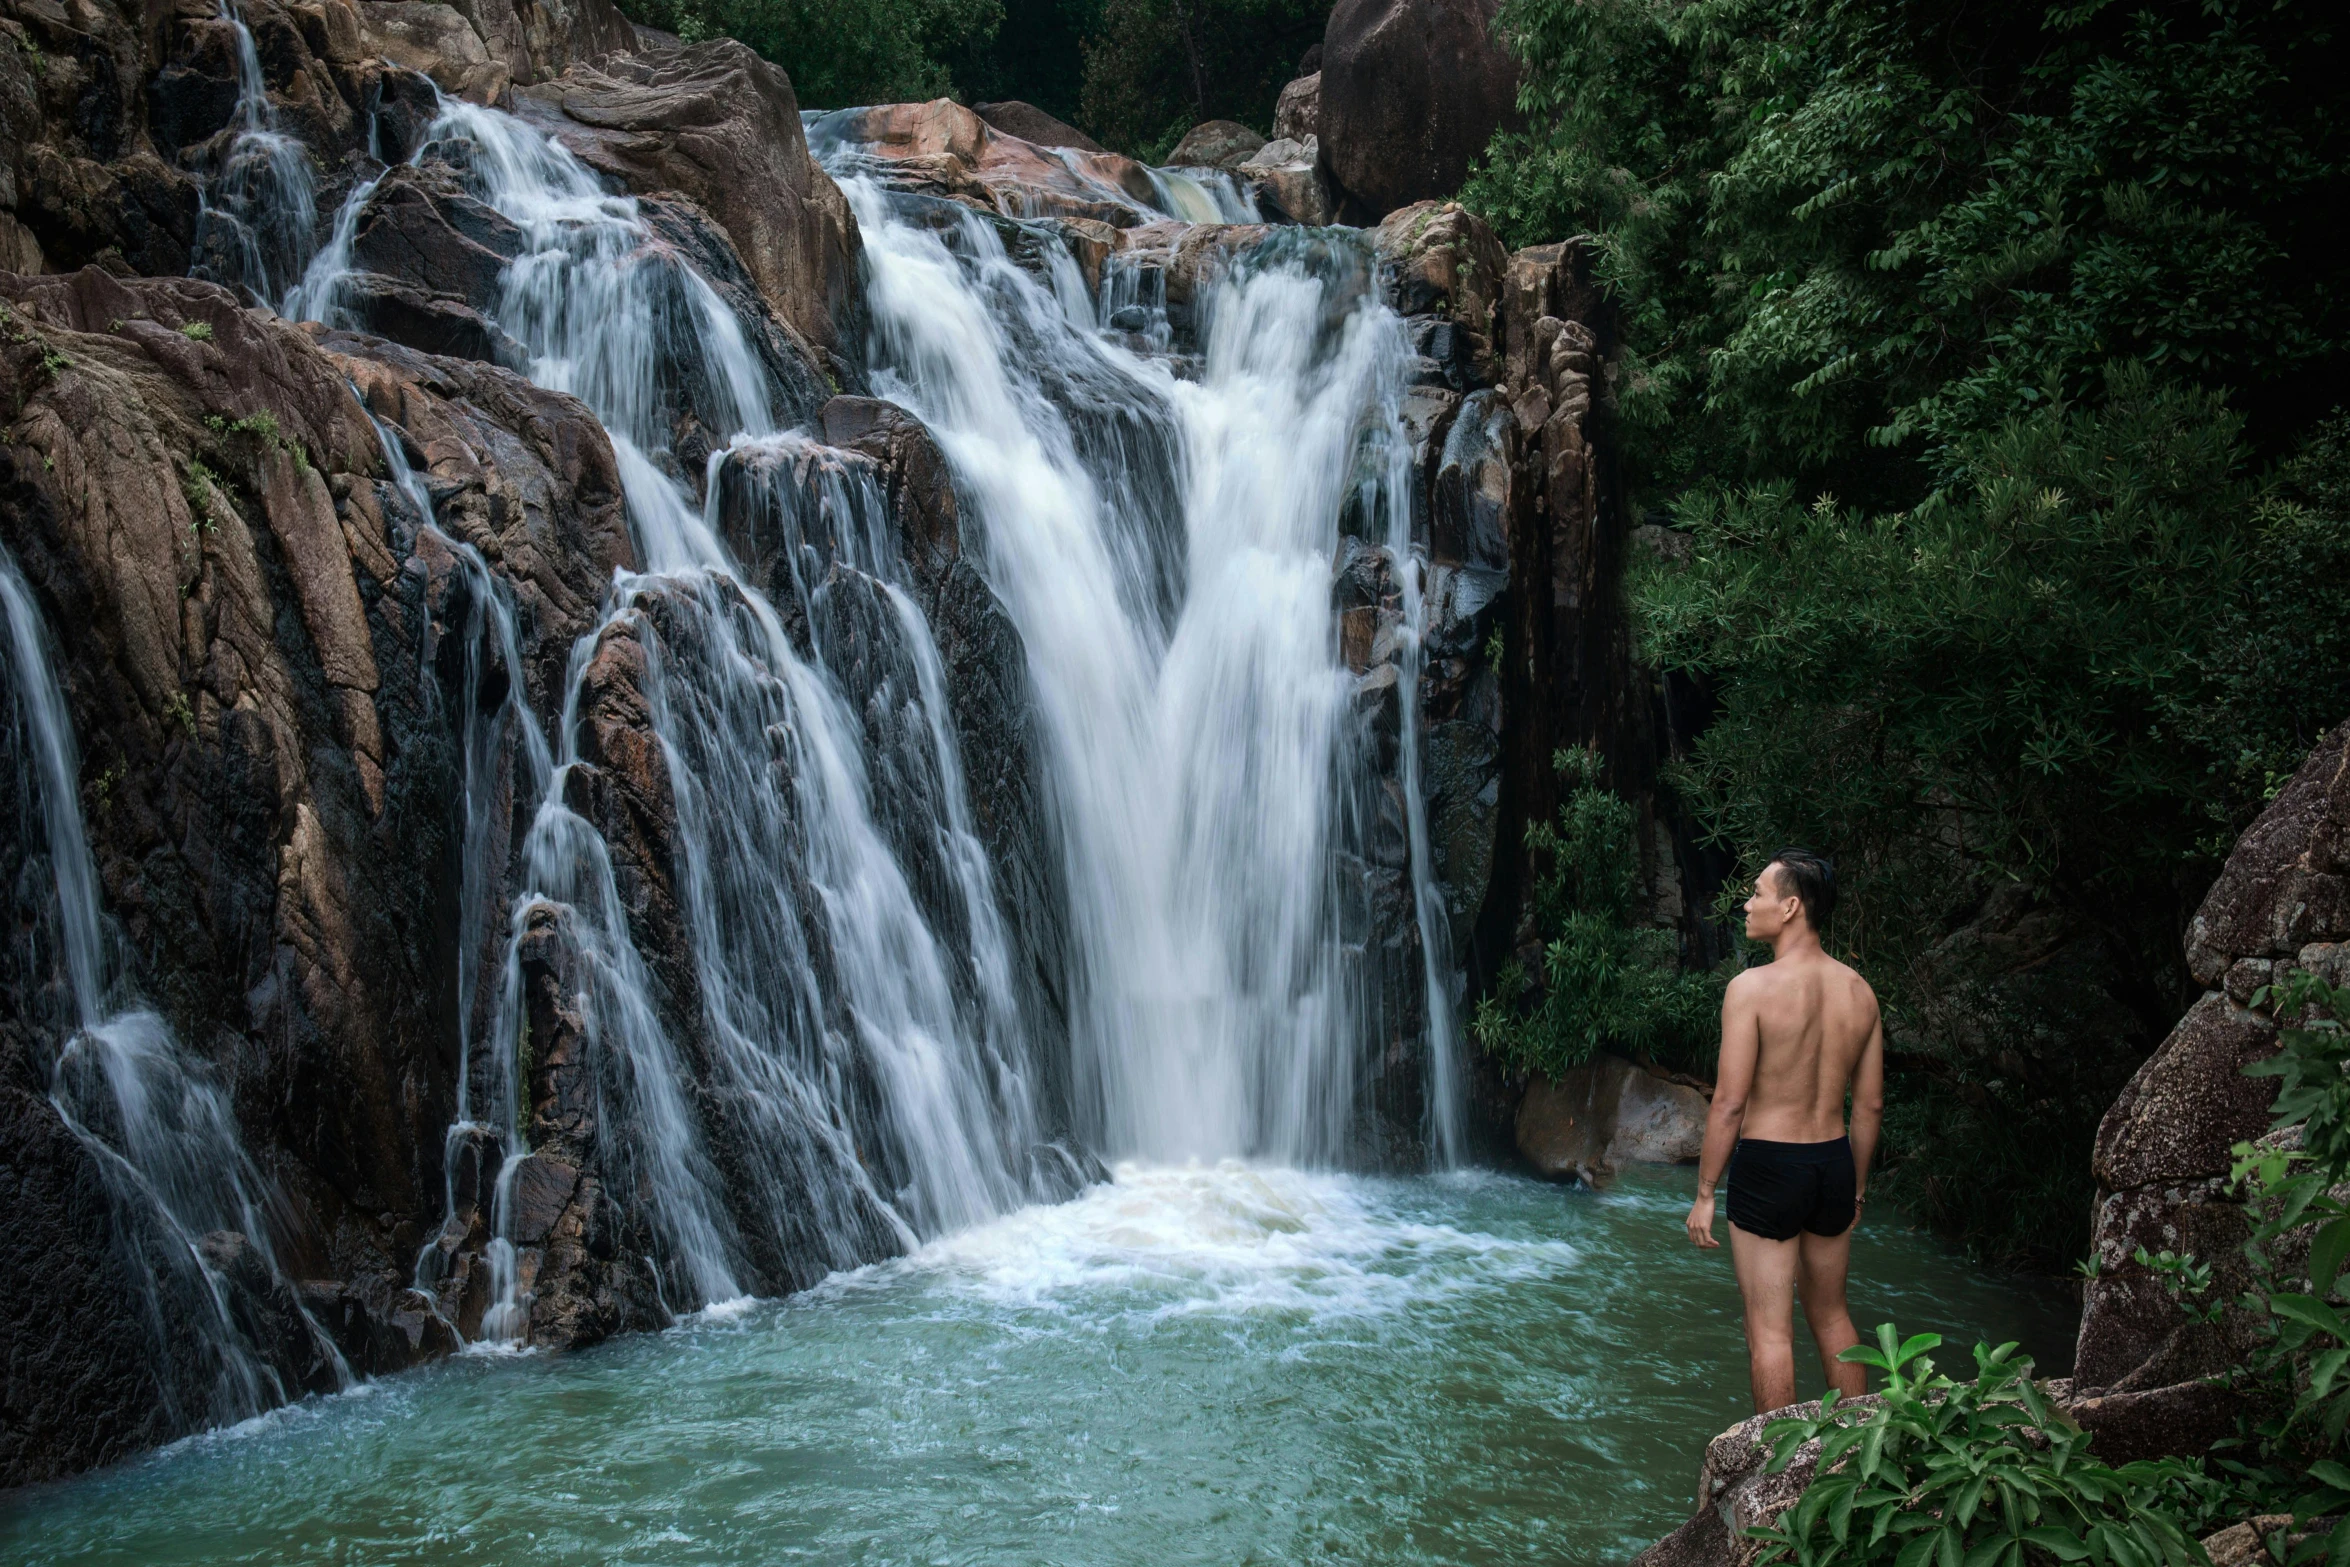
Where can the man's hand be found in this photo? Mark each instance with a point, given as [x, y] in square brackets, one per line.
[1701, 1223]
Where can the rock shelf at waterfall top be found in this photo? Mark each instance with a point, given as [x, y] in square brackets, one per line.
[1213, 1364]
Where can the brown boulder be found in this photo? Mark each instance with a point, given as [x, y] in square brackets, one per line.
[721, 127]
[942, 149]
[1031, 124]
[438, 41]
[1607, 1113]
[2191, 1102]
[1440, 259]
[1298, 114]
[1288, 179]
[1218, 144]
[1411, 92]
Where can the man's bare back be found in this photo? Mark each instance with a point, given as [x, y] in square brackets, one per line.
[1812, 1018]
[1797, 1035]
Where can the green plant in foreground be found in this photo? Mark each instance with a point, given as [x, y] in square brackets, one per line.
[197, 331]
[1987, 1473]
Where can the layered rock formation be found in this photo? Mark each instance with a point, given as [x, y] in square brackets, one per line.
[2282, 902]
[262, 627]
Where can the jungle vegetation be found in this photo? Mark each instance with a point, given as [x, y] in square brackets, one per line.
[1991, 357]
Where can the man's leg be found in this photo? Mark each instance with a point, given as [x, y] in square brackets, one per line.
[1826, 1262]
[1766, 1278]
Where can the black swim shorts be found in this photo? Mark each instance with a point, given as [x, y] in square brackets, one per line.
[1779, 1188]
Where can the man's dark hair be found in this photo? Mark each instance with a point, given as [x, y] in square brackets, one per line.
[1812, 878]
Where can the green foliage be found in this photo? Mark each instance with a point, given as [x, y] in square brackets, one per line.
[1982, 688]
[1999, 1168]
[196, 331]
[1156, 68]
[840, 52]
[1608, 981]
[1846, 232]
[198, 486]
[1037, 55]
[2293, 1181]
[177, 711]
[262, 427]
[1987, 1473]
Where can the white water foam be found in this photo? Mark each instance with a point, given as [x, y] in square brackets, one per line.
[1227, 1239]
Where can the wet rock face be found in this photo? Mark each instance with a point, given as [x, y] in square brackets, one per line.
[719, 126]
[259, 669]
[2162, 1152]
[1411, 91]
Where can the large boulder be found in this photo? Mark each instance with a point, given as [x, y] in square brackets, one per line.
[1411, 91]
[2162, 1153]
[1298, 114]
[1216, 144]
[1605, 1114]
[1032, 125]
[942, 149]
[721, 127]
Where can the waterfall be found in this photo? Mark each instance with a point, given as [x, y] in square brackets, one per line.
[857, 1027]
[851, 1065]
[1165, 544]
[193, 1222]
[259, 216]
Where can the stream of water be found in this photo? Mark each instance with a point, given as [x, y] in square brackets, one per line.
[1214, 1365]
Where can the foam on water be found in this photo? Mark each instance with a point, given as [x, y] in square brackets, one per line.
[1226, 1238]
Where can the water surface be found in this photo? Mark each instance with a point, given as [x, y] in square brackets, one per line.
[1212, 1365]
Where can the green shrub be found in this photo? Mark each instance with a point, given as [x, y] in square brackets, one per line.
[1608, 981]
[1987, 1473]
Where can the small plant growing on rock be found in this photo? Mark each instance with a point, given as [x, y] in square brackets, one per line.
[177, 711]
[1989, 1473]
[197, 331]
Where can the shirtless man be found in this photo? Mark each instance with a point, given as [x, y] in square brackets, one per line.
[1796, 1034]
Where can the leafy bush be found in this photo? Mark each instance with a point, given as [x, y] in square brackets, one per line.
[1987, 1473]
[1607, 981]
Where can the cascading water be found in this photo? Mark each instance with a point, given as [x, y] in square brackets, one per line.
[260, 213]
[823, 978]
[192, 1214]
[1165, 544]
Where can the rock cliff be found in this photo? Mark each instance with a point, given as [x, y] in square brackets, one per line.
[327, 601]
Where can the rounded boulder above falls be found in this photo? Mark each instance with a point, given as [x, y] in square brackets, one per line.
[1216, 144]
[1411, 92]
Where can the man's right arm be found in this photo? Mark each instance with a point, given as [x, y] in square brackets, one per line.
[1733, 1080]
